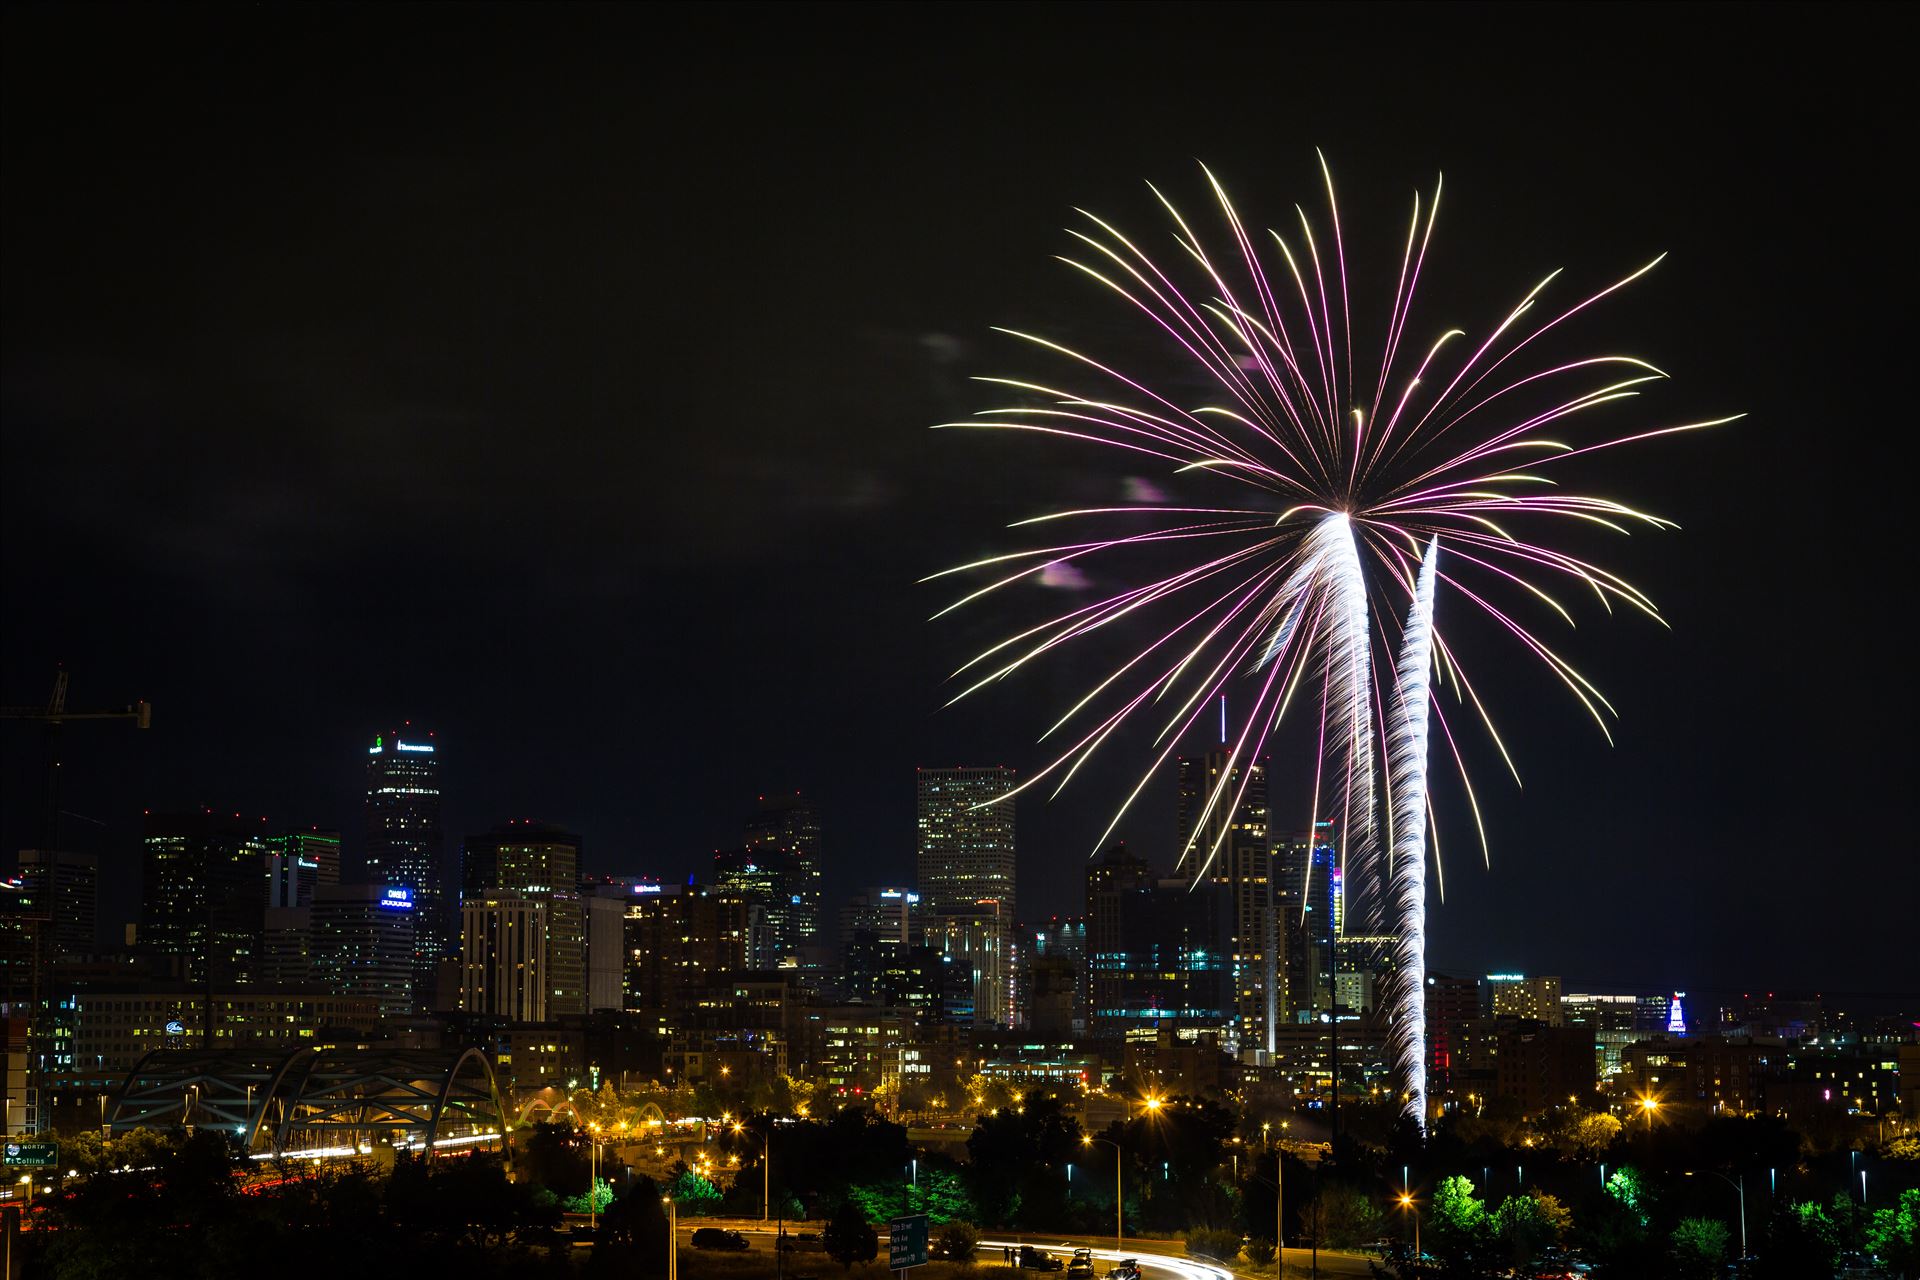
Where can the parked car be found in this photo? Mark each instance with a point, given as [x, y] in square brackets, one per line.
[1081, 1267]
[1125, 1269]
[719, 1238]
[1032, 1259]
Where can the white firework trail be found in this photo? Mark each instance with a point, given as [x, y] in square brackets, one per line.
[1407, 787]
[1366, 452]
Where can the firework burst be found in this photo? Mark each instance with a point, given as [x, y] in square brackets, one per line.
[1348, 501]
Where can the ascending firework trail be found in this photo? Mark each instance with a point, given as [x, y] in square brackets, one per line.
[1343, 500]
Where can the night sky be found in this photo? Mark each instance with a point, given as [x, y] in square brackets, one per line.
[560, 378]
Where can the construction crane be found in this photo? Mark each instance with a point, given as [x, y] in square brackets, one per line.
[55, 714]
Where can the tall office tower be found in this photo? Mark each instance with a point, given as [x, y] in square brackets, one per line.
[286, 947]
[679, 941]
[1117, 872]
[892, 914]
[979, 936]
[1048, 995]
[966, 853]
[68, 886]
[405, 845]
[1515, 995]
[1163, 959]
[504, 953]
[299, 860]
[966, 870]
[928, 985]
[24, 923]
[1363, 964]
[1222, 829]
[604, 912]
[876, 926]
[1452, 1008]
[204, 895]
[1065, 939]
[363, 943]
[766, 878]
[539, 862]
[1310, 903]
[789, 825]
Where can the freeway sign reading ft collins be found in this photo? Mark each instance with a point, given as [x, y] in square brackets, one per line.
[38, 1154]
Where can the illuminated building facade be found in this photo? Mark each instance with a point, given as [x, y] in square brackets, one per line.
[784, 832]
[979, 936]
[504, 952]
[113, 1030]
[525, 862]
[766, 880]
[68, 886]
[1228, 838]
[1311, 903]
[876, 927]
[203, 894]
[965, 860]
[297, 862]
[406, 845]
[680, 939]
[1515, 995]
[1162, 959]
[363, 943]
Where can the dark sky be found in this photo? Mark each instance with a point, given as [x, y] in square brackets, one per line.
[559, 378]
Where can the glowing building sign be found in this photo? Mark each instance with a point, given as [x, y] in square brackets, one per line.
[398, 898]
[412, 746]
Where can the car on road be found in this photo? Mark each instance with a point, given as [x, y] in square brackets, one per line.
[719, 1238]
[1032, 1259]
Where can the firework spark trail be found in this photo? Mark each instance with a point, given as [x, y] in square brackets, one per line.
[1337, 501]
[1407, 737]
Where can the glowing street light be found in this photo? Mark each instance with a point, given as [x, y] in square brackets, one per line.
[1119, 1197]
[1741, 1187]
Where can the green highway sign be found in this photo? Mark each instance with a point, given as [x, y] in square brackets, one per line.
[40, 1155]
[907, 1242]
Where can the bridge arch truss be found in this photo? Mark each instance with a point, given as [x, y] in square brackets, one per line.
[335, 1099]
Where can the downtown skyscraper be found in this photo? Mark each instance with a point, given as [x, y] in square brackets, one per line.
[1312, 902]
[784, 832]
[406, 846]
[966, 872]
[1222, 830]
[522, 925]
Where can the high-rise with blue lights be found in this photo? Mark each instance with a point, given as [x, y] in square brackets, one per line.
[405, 843]
[1310, 907]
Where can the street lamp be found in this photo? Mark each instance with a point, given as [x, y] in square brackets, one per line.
[1119, 1197]
[673, 1238]
[1406, 1202]
[1741, 1187]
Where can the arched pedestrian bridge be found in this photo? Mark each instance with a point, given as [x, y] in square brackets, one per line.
[333, 1101]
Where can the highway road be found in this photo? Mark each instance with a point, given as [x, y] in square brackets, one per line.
[1159, 1259]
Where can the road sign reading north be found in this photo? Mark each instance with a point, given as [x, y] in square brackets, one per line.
[44, 1154]
[907, 1242]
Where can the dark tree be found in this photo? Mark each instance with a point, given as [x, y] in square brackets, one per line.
[632, 1238]
[849, 1237]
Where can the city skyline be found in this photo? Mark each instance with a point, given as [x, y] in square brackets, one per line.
[537, 647]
